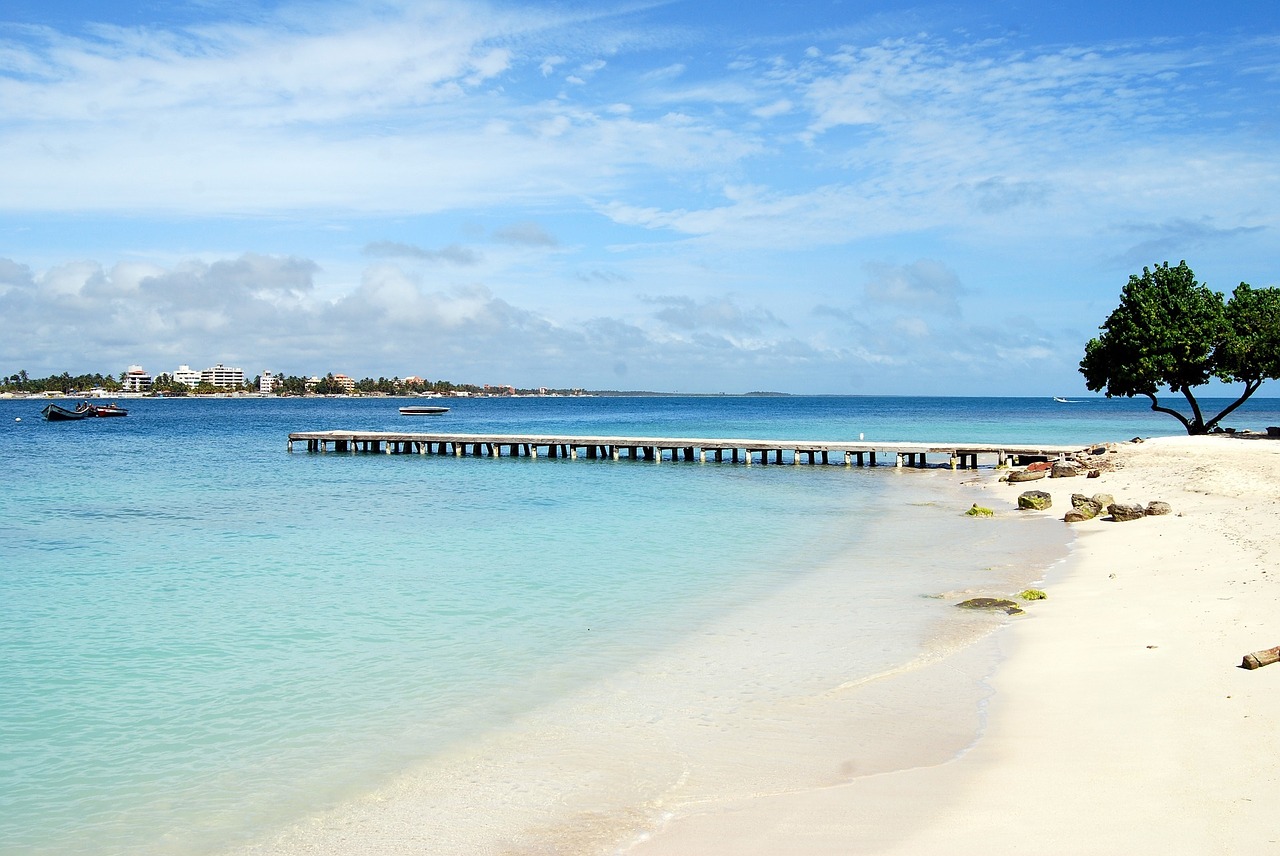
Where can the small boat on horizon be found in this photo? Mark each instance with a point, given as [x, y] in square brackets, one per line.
[1063, 400]
[84, 410]
[422, 410]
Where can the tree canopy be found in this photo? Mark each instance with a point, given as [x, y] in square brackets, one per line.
[1171, 331]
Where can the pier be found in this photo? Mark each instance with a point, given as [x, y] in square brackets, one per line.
[700, 450]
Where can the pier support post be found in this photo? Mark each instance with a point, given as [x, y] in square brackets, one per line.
[848, 459]
[898, 461]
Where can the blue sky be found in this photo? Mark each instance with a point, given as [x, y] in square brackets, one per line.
[825, 197]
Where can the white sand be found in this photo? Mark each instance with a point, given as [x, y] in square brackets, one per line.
[1121, 722]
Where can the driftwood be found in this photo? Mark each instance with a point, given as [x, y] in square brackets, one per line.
[1258, 659]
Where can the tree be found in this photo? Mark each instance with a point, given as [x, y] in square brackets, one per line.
[1171, 331]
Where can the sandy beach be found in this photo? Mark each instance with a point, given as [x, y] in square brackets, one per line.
[1120, 719]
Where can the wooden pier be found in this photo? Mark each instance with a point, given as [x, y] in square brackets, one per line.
[748, 452]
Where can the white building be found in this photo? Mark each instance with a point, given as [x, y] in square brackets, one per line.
[187, 375]
[266, 383]
[135, 380]
[220, 375]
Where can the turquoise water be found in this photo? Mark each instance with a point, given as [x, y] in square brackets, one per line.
[203, 637]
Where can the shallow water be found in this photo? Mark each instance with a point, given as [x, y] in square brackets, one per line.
[204, 638]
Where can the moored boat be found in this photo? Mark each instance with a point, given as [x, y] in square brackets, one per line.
[58, 413]
[422, 410]
[83, 410]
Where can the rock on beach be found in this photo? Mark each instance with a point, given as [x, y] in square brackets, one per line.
[1035, 500]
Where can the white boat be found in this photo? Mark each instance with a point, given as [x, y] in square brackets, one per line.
[1063, 400]
[422, 410]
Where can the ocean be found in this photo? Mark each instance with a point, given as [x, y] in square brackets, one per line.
[210, 645]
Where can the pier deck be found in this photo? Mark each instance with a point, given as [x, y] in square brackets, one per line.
[763, 451]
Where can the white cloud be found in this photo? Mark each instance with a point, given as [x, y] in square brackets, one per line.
[925, 284]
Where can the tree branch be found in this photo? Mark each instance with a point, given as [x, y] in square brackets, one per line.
[1195, 410]
[1155, 405]
[1250, 387]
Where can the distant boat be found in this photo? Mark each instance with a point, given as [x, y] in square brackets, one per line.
[83, 410]
[422, 410]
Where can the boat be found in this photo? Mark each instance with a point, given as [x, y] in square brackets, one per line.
[1063, 400]
[422, 410]
[83, 410]
[58, 413]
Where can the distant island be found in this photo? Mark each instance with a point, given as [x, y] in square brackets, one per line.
[135, 382]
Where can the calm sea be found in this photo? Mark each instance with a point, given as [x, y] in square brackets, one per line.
[204, 638]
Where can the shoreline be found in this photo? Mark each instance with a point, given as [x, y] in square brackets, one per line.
[740, 709]
[1120, 720]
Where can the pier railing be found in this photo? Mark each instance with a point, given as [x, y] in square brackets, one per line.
[748, 452]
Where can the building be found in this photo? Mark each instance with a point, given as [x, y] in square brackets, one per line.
[185, 374]
[220, 375]
[266, 383]
[135, 380]
[348, 384]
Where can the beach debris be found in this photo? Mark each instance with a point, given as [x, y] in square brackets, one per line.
[1121, 511]
[1063, 470]
[1026, 475]
[1034, 500]
[1040, 466]
[993, 603]
[1098, 450]
[1093, 474]
[1258, 659]
[1156, 508]
[1033, 594]
[1273, 431]
[979, 511]
[1137, 440]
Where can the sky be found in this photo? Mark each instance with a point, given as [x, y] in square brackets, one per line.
[806, 196]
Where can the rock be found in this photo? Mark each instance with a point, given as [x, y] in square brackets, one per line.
[979, 511]
[1122, 512]
[1063, 471]
[1098, 450]
[1093, 474]
[1273, 431]
[1025, 475]
[1085, 511]
[1156, 508]
[1035, 500]
[1033, 594]
[1039, 466]
[1075, 515]
[1103, 500]
[1007, 606]
[1136, 440]
[1078, 499]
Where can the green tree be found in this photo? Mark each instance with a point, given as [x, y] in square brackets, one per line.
[1171, 331]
